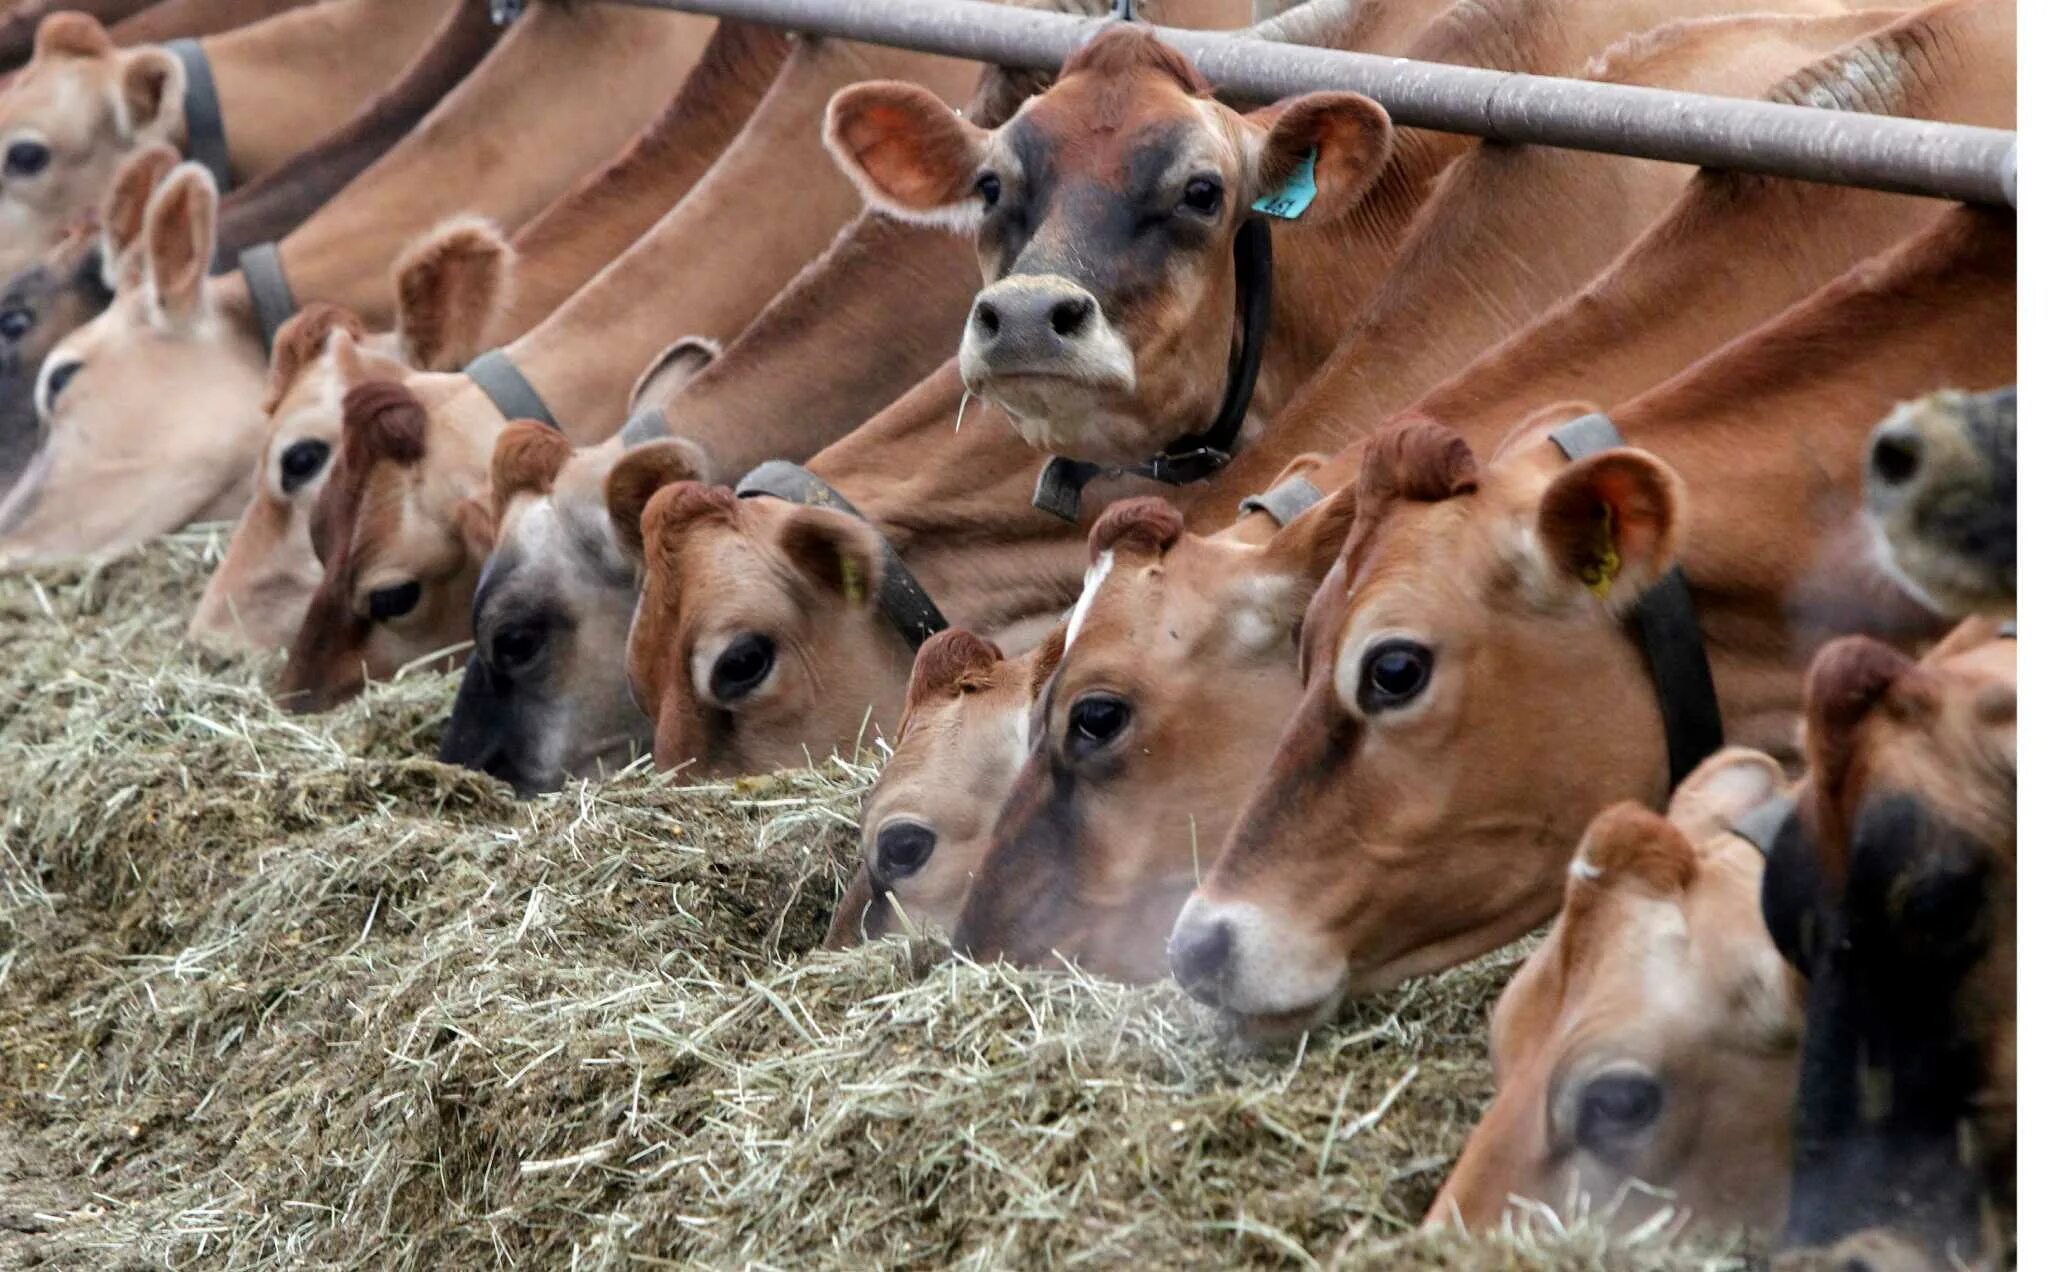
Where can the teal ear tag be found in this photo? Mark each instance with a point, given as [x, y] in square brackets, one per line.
[1293, 198]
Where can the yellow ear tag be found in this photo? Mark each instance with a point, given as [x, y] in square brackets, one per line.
[1600, 574]
[851, 585]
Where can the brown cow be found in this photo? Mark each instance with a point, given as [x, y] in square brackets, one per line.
[926, 827]
[1895, 889]
[1474, 694]
[120, 363]
[1142, 747]
[82, 105]
[1646, 1055]
[257, 595]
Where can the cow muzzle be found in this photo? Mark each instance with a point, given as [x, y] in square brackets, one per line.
[1041, 326]
[1270, 981]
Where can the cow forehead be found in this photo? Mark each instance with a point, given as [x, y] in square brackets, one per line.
[1059, 137]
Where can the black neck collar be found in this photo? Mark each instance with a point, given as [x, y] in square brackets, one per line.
[1197, 455]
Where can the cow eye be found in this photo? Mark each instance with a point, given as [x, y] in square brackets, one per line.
[27, 158]
[990, 187]
[516, 646]
[902, 848]
[396, 601]
[742, 667]
[300, 463]
[1395, 672]
[16, 322]
[1203, 195]
[54, 381]
[1096, 720]
[1616, 1107]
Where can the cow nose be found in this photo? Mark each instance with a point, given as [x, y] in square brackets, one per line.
[1199, 954]
[1022, 319]
[1895, 455]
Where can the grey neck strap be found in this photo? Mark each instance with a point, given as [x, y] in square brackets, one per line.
[1760, 825]
[206, 133]
[1667, 628]
[508, 388]
[903, 600]
[1285, 502]
[269, 290]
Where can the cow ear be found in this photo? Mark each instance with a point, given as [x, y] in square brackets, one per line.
[1309, 545]
[951, 662]
[1610, 523]
[148, 100]
[127, 203]
[451, 285]
[177, 245]
[479, 528]
[68, 33]
[907, 150]
[299, 344]
[1723, 789]
[835, 552]
[636, 476]
[526, 459]
[1320, 155]
[671, 369]
[1045, 660]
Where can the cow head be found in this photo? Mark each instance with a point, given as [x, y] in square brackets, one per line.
[1474, 697]
[1653, 1038]
[401, 531]
[149, 420]
[1895, 891]
[258, 594]
[1105, 211]
[745, 677]
[927, 823]
[68, 119]
[38, 307]
[1942, 488]
[1177, 676]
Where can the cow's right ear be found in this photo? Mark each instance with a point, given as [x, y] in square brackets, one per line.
[634, 479]
[908, 151]
[67, 33]
[126, 204]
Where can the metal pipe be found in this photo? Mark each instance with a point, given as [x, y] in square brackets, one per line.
[1880, 152]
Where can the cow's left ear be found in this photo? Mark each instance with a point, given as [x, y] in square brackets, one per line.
[1610, 523]
[1321, 154]
[835, 552]
[1726, 787]
[148, 101]
[908, 151]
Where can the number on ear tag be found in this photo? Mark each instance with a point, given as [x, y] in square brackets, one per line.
[1293, 198]
[851, 583]
[1600, 574]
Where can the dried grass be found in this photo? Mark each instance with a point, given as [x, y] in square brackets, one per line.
[279, 990]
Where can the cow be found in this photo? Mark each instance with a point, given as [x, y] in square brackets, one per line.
[256, 597]
[121, 364]
[83, 104]
[1646, 1055]
[1894, 889]
[1138, 760]
[1474, 692]
[271, 549]
[925, 830]
[1942, 489]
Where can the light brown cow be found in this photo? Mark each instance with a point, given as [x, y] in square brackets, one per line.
[120, 364]
[925, 830]
[1141, 754]
[583, 359]
[70, 117]
[1474, 694]
[257, 595]
[1646, 1055]
[271, 550]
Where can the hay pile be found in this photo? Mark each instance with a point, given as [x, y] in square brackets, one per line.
[278, 990]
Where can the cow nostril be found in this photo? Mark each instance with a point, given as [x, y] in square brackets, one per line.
[987, 320]
[1198, 961]
[1070, 315]
[1895, 457]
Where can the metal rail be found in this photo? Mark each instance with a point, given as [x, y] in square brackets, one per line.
[1880, 152]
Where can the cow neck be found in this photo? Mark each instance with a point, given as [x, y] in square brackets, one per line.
[1769, 435]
